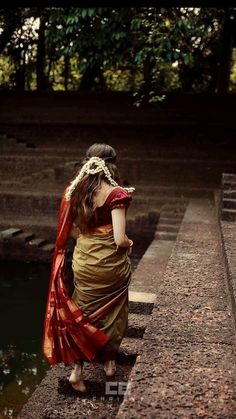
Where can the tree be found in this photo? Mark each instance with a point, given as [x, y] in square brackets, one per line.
[100, 37]
[40, 60]
[10, 21]
[188, 39]
[155, 50]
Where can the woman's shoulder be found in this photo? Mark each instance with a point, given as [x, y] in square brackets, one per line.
[118, 197]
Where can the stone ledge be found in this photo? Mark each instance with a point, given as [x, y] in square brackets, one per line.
[186, 365]
[228, 235]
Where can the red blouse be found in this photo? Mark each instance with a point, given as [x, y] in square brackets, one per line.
[117, 198]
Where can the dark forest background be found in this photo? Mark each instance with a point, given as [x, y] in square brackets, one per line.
[148, 51]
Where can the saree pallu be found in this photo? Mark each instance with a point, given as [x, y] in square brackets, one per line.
[102, 273]
[68, 334]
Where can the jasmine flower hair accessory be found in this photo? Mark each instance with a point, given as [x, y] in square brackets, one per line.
[92, 166]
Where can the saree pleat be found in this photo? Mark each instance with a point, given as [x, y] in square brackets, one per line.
[102, 273]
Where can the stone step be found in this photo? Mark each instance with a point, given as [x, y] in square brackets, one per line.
[19, 245]
[141, 297]
[228, 177]
[138, 320]
[14, 184]
[131, 345]
[9, 233]
[229, 194]
[171, 215]
[135, 331]
[24, 221]
[229, 203]
[162, 235]
[161, 152]
[23, 237]
[170, 220]
[29, 203]
[178, 208]
[48, 247]
[19, 144]
[167, 227]
[28, 164]
[159, 199]
[130, 168]
[38, 203]
[180, 191]
[229, 185]
[136, 307]
[38, 242]
[181, 207]
[29, 148]
[25, 144]
[228, 214]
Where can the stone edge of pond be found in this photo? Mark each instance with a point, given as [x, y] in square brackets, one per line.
[179, 373]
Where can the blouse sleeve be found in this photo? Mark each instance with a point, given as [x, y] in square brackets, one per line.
[119, 199]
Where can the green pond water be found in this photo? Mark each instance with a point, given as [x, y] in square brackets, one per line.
[23, 291]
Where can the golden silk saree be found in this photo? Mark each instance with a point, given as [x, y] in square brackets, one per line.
[102, 273]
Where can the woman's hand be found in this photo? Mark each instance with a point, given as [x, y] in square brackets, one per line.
[130, 248]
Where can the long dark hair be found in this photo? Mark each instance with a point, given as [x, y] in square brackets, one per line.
[82, 198]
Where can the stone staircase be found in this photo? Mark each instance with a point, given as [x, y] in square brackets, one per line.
[169, 222]
[18, 245]
[12, 143]
[27, 245]
[228, 197]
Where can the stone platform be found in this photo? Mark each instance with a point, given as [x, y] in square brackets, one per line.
[186, 366]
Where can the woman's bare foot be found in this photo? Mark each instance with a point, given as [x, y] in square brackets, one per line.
[110, 368]
[76, 378]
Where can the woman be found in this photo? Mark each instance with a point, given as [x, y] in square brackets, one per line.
[91, 325]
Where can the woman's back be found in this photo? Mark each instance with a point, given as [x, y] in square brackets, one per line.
[107, 200]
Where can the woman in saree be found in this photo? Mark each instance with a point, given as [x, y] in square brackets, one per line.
[90, 325]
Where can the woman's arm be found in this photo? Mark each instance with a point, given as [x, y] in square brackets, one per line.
[119, 227]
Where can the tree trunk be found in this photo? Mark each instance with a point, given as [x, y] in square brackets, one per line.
[147, 75]
[225, 56]
[40, 61]
[19, 70]
[92, 79]
[20, 79]
[13, 20]
[66, 71]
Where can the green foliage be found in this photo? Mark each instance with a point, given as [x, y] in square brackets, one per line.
[233, 72]
[6, 71]
[123, 79]
[147, 50]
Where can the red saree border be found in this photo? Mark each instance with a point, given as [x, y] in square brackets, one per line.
[68, 334]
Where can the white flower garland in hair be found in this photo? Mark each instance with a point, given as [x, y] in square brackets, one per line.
[100, 166]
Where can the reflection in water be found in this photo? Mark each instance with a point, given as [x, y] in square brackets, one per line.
[20, 373]
[23, 291]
